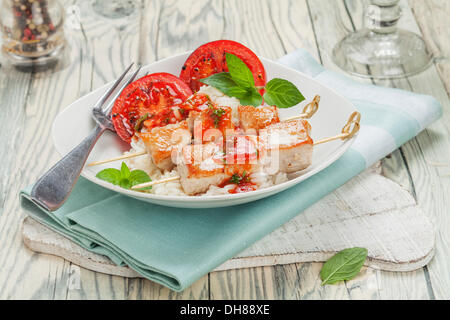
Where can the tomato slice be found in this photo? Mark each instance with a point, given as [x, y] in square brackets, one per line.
[149, 101]
[209, 59]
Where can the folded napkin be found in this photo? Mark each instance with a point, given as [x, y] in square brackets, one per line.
[175, 247]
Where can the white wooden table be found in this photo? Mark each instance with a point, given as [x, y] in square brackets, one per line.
[99, 51]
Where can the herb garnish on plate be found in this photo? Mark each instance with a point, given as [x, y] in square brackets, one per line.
[239, 83]
[124, 177]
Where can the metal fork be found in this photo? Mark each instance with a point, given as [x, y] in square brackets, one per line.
[55, 186]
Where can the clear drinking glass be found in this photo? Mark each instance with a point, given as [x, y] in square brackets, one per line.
[381, 50]
[32, 31]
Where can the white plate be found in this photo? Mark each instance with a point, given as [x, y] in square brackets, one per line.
[74, 123]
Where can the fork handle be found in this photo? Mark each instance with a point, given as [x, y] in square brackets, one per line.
[54, 187]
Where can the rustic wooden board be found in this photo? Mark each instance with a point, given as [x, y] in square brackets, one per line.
[370, 211]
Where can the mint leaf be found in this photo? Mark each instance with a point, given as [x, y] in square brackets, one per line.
[110, 175]
[239, 71]
[125, 183]
[124, 177]
[124, 171]
[345, 265]
[282, 93]
[138, 177]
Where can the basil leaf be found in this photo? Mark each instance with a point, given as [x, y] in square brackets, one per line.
[345, 265]
[124, 171]
[110, 175]
[224, 82]
[251, 98]
[282, 93]
[138, 177]
[239, 71]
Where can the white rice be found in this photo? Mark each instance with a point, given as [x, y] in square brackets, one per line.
[145, 163]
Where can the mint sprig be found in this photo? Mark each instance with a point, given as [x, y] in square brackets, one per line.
[239, 83]
[124, 177]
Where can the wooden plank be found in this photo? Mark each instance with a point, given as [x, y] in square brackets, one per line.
[17, 264]
[292, 24]
[95, 57]
[289, 282]
[432, 19]
[185, 25]
[252, 283]
[430, 182]
[328, 31]
[148, 290]
[427, 148]
[88, 285]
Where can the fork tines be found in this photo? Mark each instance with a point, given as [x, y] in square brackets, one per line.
[114, 92]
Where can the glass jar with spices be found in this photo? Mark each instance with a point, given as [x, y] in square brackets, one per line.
[32, 31]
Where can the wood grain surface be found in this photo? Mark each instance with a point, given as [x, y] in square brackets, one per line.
[98, 51]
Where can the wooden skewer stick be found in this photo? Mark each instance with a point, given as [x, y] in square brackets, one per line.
[127, 156]
[152, 183]
[309, 110]
[349, 131]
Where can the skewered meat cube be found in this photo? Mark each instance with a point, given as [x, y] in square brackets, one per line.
[212, 120]
[163, 142]
[289, 146]
[201, 167]
[196, 102]
[243, 154]
[252, 118]
[207, 165]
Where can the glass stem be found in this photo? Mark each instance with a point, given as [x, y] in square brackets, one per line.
[382, 16]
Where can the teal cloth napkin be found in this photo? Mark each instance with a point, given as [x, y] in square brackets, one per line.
[175, 247]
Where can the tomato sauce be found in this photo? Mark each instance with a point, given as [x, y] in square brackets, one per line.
[240, 160]
[243, 187]
[242, 183]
